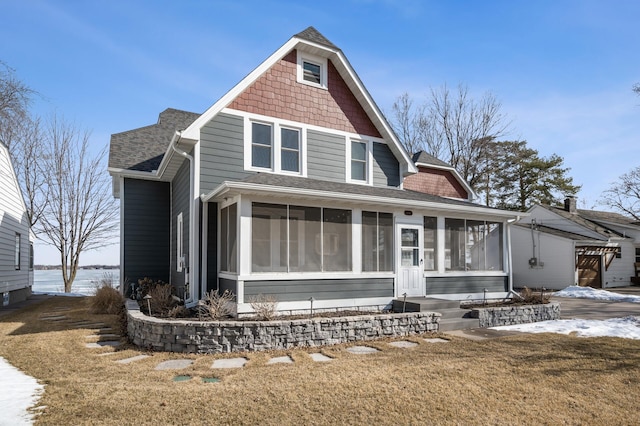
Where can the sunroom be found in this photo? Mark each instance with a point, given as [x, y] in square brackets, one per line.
[345, 246]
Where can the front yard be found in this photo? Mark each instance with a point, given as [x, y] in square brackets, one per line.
[523, 379]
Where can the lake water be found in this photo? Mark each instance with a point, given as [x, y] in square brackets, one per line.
[50, 281]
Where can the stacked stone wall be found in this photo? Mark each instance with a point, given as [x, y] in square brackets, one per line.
[510, 315]
[239, 336]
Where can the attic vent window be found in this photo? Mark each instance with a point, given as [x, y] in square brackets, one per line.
[312, 70]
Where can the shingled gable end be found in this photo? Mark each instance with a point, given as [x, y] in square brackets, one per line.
[291, 185]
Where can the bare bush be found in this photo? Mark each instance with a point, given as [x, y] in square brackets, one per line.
[535, 296]
[161, 299]
[217, 306]
[106, 300]
[265, 306]
[179, 311]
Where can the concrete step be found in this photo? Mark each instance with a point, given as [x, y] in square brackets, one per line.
[421, 304]
[453, 313]
[450, 324]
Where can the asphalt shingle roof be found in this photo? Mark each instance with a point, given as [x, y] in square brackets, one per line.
[142, 149]
[313, 35]
[581, 219]
[349, 188]
[423, 157]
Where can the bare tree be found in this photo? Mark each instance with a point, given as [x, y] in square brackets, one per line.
[624, 195]
[15, 98]
[80, 213]
[453, 127]
[636, 88]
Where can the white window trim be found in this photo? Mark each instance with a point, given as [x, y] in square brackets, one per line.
[276, 145]
[321, 62]
[369, 169]
[179, 242]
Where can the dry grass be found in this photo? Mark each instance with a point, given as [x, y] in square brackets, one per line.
[523, 379]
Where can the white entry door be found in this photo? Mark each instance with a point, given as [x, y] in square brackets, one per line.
[410, 261]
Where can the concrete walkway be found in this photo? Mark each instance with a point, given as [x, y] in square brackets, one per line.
[572, 308]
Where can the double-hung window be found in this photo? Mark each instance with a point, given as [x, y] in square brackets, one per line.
[359, 161]
[274, 147]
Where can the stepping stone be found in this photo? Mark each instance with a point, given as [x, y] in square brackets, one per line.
[404, 344]
[362, 350]
[174, 364]
[132, 359]
[436, 340]
[280, 360]
[106, 353]
[98, 345]
[54, 318]
[229, 363]
[318, 357]
[102, 336]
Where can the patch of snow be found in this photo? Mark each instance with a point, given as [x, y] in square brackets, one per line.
[628, 327]
[595, 294]
[24, 393]
[54, 293]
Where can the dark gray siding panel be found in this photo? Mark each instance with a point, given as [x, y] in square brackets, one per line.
[297, 290]
[386, 169]
[145, 224]
[326, 156]
[454, 285]
[180, 188]
[227, 284]
[222, 151]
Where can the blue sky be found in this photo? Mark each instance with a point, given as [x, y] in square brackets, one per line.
[563, 69]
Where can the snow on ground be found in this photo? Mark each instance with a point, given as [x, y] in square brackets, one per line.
[593, 293]
[628, 327]
[19, 393]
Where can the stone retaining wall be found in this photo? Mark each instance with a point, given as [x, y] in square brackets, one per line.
[238, 336]
[510, 315]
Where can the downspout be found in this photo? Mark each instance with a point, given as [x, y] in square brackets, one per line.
[191, 269]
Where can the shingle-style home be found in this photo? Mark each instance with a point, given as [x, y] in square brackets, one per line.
[16, 239]
[556, 247]
[293, 184]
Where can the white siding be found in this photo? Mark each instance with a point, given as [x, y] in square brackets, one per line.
[13, 219]
[542, 216]
[556, 253]
[620, 270]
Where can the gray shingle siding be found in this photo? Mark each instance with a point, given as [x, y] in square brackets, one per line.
[386, 169]
[146, 232]
[180, 188]
[326, 156]
[222, 151]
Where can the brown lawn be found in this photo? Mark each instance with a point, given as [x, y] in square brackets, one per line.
[523, 379]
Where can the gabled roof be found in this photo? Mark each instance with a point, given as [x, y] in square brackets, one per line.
[421, 158]
[299, 187]
[311, 41]
[142, 149]
[608, 217]
[558, 232]
[582, 220]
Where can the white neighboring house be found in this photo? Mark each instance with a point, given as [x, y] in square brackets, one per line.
[555, 247]
[16, 239]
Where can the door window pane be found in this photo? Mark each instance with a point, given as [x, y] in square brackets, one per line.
[409, 237]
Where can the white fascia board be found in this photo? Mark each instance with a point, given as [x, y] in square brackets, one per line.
[456, 174]
[379, 117]
[135, 174]
[193, 131]
[252, 188]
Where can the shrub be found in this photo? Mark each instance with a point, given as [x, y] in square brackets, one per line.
[161, 299]
[106, 300]
[265, 307]
[534, 297]
[179, 311]
[217, 306]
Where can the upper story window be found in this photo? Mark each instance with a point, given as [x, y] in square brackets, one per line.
[16, 259]
[274, 147]
[312, 70]
[359, 166]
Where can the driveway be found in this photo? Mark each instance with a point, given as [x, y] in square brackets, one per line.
[599, 309]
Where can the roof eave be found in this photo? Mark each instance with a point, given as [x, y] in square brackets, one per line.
[235, 188]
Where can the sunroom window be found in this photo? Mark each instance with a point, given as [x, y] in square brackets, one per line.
[473, 245]
[228, 239]
[300, 239]
[377, 241]
[430, 243]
